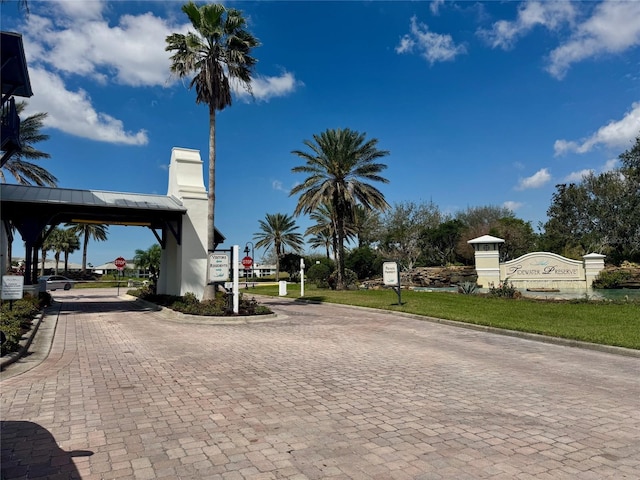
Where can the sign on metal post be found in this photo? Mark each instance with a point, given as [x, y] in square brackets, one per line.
[120, 263]
[219, 265]
[12, 287]
[247, 262]
[391, 277]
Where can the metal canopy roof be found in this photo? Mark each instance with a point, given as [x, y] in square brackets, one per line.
[15, 76]
[60, 205]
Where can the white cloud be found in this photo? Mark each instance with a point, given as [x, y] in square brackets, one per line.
[547, 14]
[73, 113]
[616, 134]
[433, 47]
[131, 53]
[613, 28]
[610, 165]
[575, 177]
[511, 205]
[434, 6]
[265, 88]
[537, 180]
[77, 10]
[277, 185]
[77, 43]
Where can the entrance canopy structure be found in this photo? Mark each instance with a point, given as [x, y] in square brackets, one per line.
[178, 220]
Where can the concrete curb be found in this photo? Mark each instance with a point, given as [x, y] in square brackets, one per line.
[179, 317]
[628, 352]
[49, 313]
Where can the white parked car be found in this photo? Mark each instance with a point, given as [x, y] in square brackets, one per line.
[54, 282]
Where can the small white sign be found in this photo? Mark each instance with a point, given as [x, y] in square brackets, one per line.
[12, 287]
[390, 273]
[219, 267]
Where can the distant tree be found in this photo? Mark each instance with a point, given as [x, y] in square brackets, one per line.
[339, 163]
[19, 164]
[87, 231]
[278, 231]
[70, 243]
[217, 54]
[438, 244]
[518, 235]
[402, 226]
[364, 262]
[149, 260]
[478, 221]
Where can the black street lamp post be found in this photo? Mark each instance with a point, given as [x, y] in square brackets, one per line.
[246, 251]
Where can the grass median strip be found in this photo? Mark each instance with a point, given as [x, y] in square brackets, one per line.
[601, 322]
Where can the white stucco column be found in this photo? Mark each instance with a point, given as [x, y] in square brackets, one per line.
[184, 266]
[487, 256]
[593, 265]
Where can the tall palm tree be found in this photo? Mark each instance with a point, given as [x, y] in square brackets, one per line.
[69, 243]
[88, 230]
[26, 172]
[278, 232]
[324, 228]
[339, 164]
[216, 54]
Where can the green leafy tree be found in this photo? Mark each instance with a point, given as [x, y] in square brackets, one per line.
[599, 213]
[364, 262]
[438, 244]
[478, 221]
[216, 55]
[20, 165]
[401, 230]
[278, 231]
[88, 231]
[519, 237]
[339, 163]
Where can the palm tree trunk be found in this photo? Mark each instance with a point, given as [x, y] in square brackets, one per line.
[85, 243]
[210, 290]
[56, 256]
[44, 259]
[66, 262]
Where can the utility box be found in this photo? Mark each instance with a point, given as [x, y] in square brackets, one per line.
[282, 288]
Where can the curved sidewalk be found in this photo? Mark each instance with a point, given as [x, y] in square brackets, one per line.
[322, 391]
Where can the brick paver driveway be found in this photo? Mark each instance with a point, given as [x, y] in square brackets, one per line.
[320, 392]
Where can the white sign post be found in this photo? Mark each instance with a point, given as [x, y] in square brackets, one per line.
[302, 277]
[236, 275]
[391, 277]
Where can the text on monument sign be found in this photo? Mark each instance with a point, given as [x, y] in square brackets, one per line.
[543, 266]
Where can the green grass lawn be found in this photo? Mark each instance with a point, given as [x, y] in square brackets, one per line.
[606, 323]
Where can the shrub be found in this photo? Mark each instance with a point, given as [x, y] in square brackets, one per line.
[220, 306]
[350, 279]
[505, 290]
[17, 316]
[319, 274]
[468, 288]
[611, 278]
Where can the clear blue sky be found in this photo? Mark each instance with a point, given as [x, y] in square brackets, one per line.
[479, 103]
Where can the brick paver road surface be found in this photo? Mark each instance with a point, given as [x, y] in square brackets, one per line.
[321, 392]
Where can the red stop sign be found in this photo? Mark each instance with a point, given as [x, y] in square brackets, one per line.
[247, 262]
[120, 263]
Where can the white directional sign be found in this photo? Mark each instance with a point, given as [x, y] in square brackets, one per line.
[12, 286]
[390, 273]
[219, 267]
